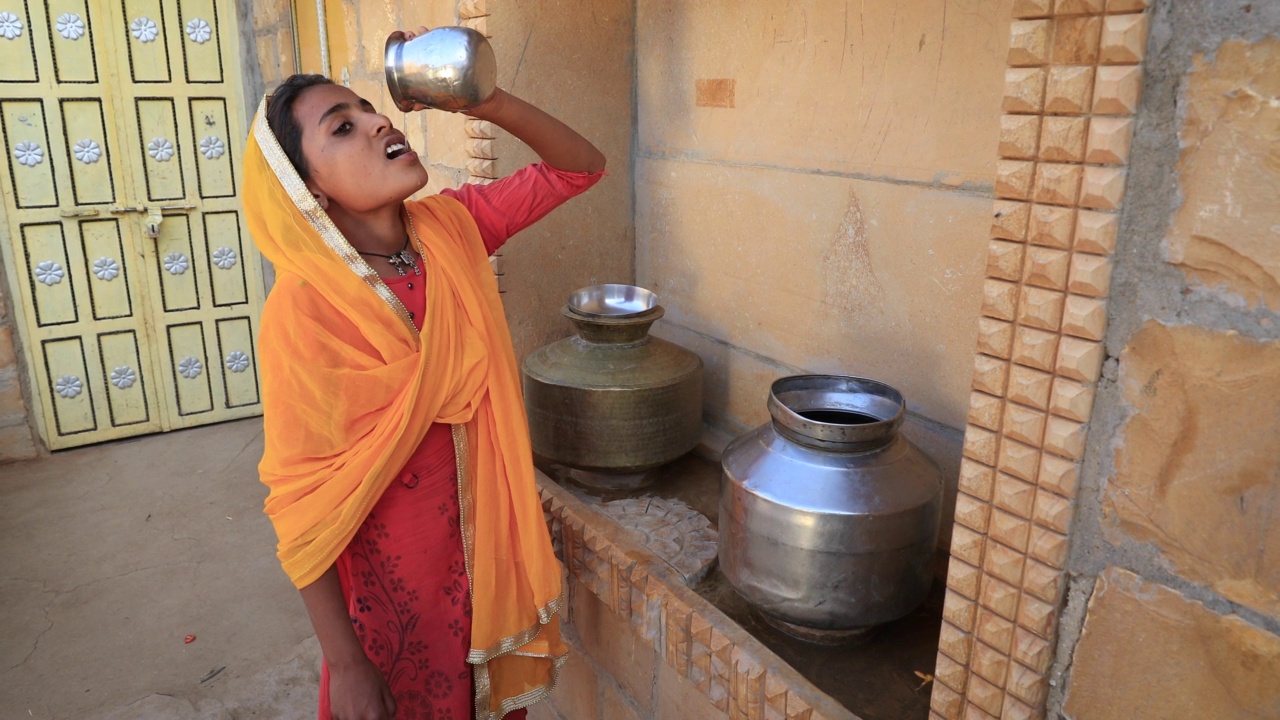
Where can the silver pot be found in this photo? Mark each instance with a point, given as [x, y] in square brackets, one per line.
[448, 68]
[829, 517]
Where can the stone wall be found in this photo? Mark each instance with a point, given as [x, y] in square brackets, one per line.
[17, 436]
[1174, 599]
[813, 191]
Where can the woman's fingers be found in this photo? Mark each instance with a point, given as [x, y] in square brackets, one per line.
[411, 34]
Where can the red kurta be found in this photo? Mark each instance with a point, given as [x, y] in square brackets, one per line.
[403, 575]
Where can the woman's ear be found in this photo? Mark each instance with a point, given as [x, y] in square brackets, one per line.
[321, 198]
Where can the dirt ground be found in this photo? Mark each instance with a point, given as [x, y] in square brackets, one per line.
[110, 556]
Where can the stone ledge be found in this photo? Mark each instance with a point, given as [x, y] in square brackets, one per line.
[738, 674]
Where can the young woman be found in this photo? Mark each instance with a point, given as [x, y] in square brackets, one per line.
[397, 453]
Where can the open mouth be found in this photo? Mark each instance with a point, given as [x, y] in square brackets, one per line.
[395, 150]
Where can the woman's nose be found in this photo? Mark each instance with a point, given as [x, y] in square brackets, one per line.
[379, 123]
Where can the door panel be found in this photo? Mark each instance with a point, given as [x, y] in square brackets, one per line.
[17, 49]
[67, 377]
[110, 267]
[137, 291]
[71, 37]
[88, 152]
[26, 144]
[145, 34]
[50, 286]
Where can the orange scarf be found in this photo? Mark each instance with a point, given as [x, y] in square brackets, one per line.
[350, 387]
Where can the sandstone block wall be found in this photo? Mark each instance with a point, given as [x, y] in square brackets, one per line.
[813, 191]
[1174, 601]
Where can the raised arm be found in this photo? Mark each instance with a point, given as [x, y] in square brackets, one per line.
[559, 145]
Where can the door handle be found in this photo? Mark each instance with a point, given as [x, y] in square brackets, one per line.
[177, 208]
[89, 212]
[126, 210]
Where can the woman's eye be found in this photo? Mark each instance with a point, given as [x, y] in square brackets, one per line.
[342, 129]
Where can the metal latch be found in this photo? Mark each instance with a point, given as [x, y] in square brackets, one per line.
[154, 218]
[88, 212]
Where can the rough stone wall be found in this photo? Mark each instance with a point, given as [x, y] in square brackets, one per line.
[576, 61]
[813, 191]
[1174, 597]
[814, 187]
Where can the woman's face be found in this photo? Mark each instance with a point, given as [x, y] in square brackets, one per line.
[358, 161]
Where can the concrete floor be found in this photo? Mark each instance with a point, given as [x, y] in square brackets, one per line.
[110, 555]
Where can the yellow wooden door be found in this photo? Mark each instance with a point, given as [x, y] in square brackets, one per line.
[136, 287]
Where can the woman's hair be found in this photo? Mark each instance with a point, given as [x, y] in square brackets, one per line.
[282, 122]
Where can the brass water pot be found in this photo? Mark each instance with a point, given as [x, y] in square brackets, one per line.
[612, 398]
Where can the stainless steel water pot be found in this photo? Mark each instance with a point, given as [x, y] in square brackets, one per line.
[612, 398]
[448, 68]
[828, 516]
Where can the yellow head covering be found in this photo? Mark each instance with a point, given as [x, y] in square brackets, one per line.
[350, 387]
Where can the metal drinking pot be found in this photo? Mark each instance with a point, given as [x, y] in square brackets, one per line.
[828, 516]
[448, 68]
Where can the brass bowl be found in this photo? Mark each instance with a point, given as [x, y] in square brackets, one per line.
[612, 300]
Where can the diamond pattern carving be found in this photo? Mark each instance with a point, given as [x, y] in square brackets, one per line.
[977, 479]
[1084, 317]
[988, 663]
[1090, 275]
[1072, 84]
[1028, 43]
[1014, 495]
[1069, 89]
[955, 642]
[1013, 179]
[1117, 91]
[1124, 39]
[1004, 563]
[1031, 8]
[1078, 7]
[1040, 308]
[1057, 183]
[1051, 226]
[1076, 40]
[1062, 139]
[1029, 386]
[1080, 359]
[995, 631]
[1032, 651]
[1109, 139]
[1019, 135]
[995, 337]
[1010, 530]
[1047, 268]
[972, 513]
[1004, 260]
[1059, 475]
[1035, 348]
[1009, 220]
[959, 611]
[985, 695]
[1023, 90]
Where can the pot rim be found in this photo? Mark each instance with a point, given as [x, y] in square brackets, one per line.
[834, 435]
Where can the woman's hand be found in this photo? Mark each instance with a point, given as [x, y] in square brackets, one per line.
[356, 688]
[409, 35]
[358, 692]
